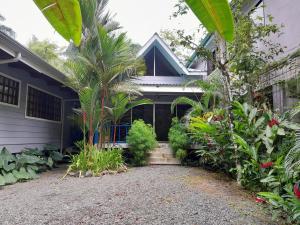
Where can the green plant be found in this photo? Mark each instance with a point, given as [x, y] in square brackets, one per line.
[96, 161]
[64, 16]
[287, 205]
[178, 138]
[215, 15]
[181, 154]
[18, 167]
[120, 104]
[141, 140]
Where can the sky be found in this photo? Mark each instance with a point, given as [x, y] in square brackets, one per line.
[139, 18]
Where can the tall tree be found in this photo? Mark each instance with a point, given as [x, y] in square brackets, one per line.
[182, 52]
[5, 29]
[47, 50]
[106, 60]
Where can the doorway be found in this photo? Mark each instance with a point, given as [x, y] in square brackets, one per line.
[163, 120]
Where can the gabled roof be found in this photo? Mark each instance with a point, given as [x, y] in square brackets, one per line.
[156, 41]
[13, 48]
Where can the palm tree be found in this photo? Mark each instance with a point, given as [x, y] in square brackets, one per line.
[213, 90]
[121, 103]
[94, 13]
[210, 98]
[105, 60]
[196, 106]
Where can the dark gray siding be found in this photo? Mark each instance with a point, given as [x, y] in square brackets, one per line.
[18, 132]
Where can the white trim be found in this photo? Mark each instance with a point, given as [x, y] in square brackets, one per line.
[156, 38]
[20, 89]
[170, 89]
[41, 119]
[154, 64]
[156, 41]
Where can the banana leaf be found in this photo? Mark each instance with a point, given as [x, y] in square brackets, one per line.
[215, 15]
[64, 16]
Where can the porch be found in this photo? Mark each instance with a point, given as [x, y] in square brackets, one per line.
[159, 115]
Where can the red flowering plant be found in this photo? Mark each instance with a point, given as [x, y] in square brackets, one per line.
[273, 122]
[260, 200]
[266, 165]
[297, 189]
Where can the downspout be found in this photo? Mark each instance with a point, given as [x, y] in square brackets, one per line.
[15, 59]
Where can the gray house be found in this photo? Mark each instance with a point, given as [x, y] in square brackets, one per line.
[34, 100]
[282, 95]
[164, 81]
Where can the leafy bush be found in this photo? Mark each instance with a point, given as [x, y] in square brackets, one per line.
[178, 137]
[96, 161]
[24, 166]
[262, 152]
[141, 140]
[181, 154]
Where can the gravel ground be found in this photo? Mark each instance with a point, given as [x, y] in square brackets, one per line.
[148, 195]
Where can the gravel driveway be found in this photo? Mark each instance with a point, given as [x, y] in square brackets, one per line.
[147, 195]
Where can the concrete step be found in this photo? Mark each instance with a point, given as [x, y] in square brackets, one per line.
[163, 155]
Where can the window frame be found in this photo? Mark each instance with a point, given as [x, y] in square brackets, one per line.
[49, 93]
[19, 95]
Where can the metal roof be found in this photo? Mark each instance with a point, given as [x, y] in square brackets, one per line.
[13, 48]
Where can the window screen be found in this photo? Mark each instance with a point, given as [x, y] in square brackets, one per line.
[43, 105]
[9, 91]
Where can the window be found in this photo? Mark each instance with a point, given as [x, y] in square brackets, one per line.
[9, 91]
[43, 105]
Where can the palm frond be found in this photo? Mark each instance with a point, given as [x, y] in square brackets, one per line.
[187, 101]
[292, 159]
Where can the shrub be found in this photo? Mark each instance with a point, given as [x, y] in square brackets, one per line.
[141, 140]
[178, 137]
[181, 154]
[96, 161]
[25, 165]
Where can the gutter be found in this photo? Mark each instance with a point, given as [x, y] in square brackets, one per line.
[12, 60]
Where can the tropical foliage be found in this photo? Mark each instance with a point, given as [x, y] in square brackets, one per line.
[178, 139]
[141, 140]
[263, 154]
[215, 15]
[93, 162]
[26, 165]
[64, 16]
[48, 51]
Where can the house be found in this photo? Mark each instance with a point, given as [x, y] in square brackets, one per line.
[164, 81]
[279, 84]
[34, 100]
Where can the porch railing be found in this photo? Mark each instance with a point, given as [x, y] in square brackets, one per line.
[121, 133]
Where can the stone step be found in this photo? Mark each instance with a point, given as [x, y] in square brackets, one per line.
[163, 155]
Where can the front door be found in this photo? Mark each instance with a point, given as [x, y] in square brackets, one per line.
[163, 119]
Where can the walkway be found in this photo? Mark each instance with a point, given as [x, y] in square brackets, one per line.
[147, 195]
